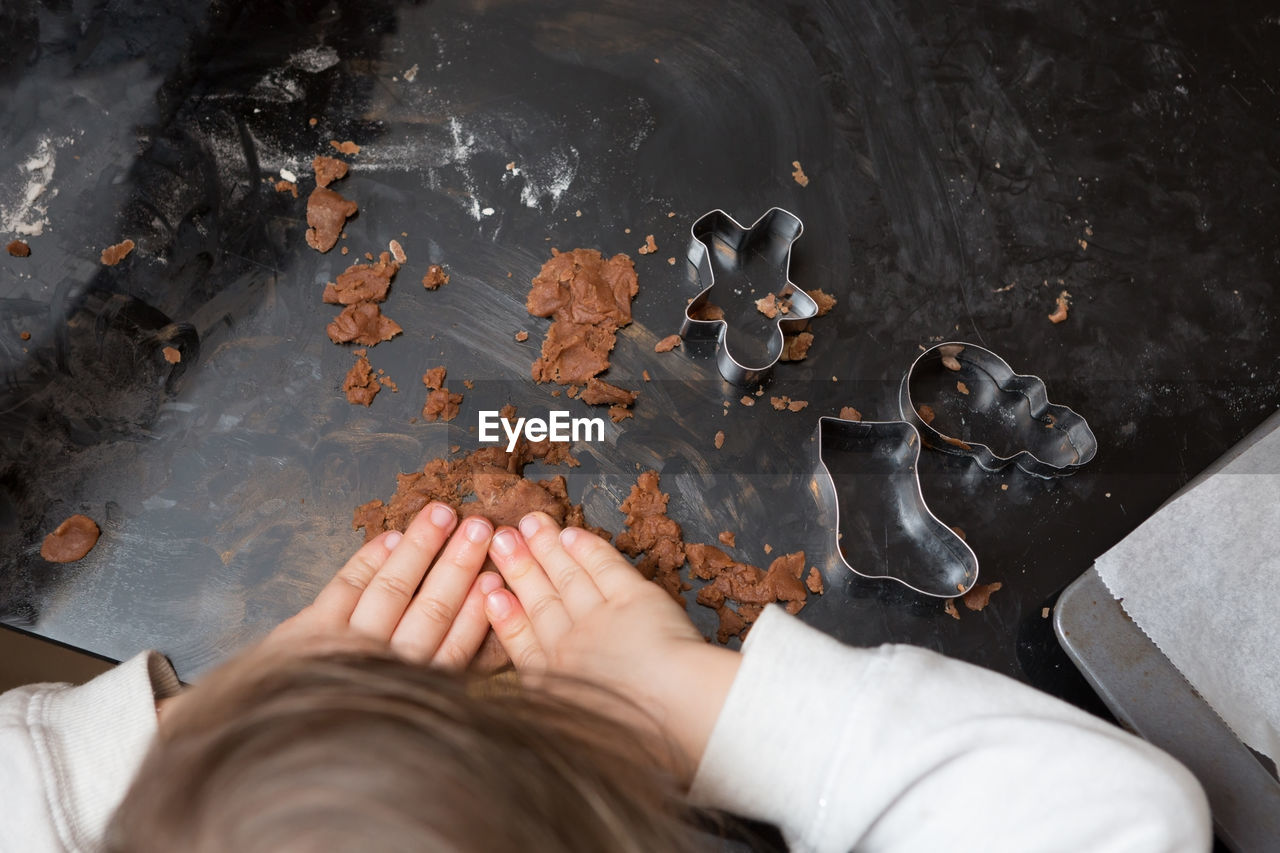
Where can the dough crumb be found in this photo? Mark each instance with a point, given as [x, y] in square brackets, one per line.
[768, 549]
[747, 400]
[719, 439]
[435, 277]
[926, 413]
[171, 354]
[667, 344]
[71, 540]
[287, 187]
[798, 175]
[434, 378]
[796, 405]
[962, 388]
[796, 347]
[25, 335]
[949, 608]
[362, 282]
[347, 147]
[441, 405]
[814, 581]
[849, 413]
[522, 336]
[645, 375]
[825, 301]
[328, 170]
[768, 306]
[362, 323]
[360, 386]
[113, 255]
[19, 249]
[1060, 313]
[978, 597]
[649, 246]
[397, 251]
[327, 213]
[728, 538]
[779, 403]
[617, 414]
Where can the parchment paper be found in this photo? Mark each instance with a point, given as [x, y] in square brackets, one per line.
[1202, 578]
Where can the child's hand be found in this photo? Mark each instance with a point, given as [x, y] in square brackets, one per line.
[376, 594]
[580, 609]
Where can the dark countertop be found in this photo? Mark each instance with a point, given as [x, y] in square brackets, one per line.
[966, 165]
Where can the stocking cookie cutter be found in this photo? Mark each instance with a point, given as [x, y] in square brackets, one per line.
[897, 538]
[720, 244]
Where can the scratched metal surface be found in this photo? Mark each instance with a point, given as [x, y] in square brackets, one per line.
[960, 160]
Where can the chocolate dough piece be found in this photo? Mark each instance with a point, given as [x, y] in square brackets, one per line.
[978, 597]
[362, 282]
[588, 299]
[71, 540]
[601, 393]
[653, 536]
[360, 385]
[327, 212]
[796, 347]
[441, 405]
[488, 482]
[435, 277]
[434, 378]
[814, 581]
[362, 323]
[328, 170]
[667, 344]
[113, 255]
[19, 249]
[707, 311]
[768, 306]
[825, 301]
[849, 413]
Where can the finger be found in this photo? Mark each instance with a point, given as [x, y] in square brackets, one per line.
[433, 610]
[391, 589]
[538, 597]
[465, 635]
[613, 575]
[515, 631]
[575, 587]
[338, 599]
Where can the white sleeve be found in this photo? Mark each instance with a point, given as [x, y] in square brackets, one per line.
[900, 749]
[68, 754]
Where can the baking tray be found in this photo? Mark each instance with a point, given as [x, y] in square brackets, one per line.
[225, 484]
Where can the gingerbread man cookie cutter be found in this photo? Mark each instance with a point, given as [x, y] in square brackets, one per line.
[738, 266]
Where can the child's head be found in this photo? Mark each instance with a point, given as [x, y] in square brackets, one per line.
[359, 751]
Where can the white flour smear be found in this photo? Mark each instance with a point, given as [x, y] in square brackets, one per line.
[25, 211]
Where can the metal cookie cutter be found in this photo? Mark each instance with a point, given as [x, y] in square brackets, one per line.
[871, 465]
[740, 265]
[957, 391]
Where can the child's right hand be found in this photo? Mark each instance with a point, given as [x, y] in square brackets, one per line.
[580, 609]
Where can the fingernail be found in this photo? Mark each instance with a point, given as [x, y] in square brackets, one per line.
[392, 540]
[504, 542]
[568, 536]
[442, 516]
[489, 582]
[529, 525]
[498, 605]
[478, 530]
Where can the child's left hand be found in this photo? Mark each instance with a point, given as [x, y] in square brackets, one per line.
[377, 595]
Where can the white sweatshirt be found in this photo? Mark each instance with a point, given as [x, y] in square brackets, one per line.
[900, 749]
[894, 748]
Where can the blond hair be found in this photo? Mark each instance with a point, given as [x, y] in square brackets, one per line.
[363, 752]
